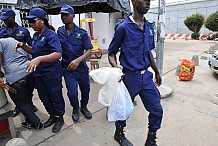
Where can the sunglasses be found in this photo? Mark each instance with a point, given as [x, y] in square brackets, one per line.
[64, 14]
[33, 20]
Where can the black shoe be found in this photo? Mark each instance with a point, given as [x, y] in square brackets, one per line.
[58, 124]
[151, 139]
[16, 112]
[119, 136]
[31, 126]
[75, 115]
[35, 109]
[50, 121]
[86, 113]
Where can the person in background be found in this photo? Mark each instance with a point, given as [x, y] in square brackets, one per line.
[18, 32]
[76, 47]
[135, 37]
[14, 65]
[46, 67]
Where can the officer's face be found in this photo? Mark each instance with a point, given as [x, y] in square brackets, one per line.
[36, 23]
[141, 5]
[9, 21]
[67, 18]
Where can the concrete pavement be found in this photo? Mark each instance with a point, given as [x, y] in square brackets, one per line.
[190, 118]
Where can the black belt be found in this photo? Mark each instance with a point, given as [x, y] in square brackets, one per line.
[134, 72]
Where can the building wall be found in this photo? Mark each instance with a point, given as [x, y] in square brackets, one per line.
[177, 13]
[104, 27]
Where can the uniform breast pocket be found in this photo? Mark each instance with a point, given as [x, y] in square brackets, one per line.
[40, 44]
[77, 45]
[132, 45]
[132, 48]
[40, 47]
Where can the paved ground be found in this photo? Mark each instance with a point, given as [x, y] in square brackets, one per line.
[190, 114]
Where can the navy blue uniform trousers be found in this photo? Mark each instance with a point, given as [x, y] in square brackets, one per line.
[72, 80]
[50, 93]
[143, 85]
[23, 98]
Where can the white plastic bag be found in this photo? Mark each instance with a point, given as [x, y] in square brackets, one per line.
[113, 94]
[121, 106]
[109, 77]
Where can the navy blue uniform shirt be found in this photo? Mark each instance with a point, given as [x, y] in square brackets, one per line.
[135, 44]
[73, 46]
[46, 44]
[21, 34]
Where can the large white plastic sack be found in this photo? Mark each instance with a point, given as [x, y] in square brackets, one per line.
[109, 77]
[121, 106]
[114, 93]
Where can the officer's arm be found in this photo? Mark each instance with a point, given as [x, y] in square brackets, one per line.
[50, 57]
[112, 60]
[25, 47]
[115, 44]
[87, 47]
[154, 67]
[153, 64]
[85, 55]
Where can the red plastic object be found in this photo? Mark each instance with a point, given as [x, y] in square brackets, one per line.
[4, 126]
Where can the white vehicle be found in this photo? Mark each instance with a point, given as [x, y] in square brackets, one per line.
[213, 62]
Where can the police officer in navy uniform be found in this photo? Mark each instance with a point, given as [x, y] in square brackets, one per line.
[18, 32]
[76, 47]
[47, 70]
[135, 37]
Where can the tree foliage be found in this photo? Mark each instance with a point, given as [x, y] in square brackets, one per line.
[212, 22]
[194, 22]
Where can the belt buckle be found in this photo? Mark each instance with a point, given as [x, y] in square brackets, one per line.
[142, 72]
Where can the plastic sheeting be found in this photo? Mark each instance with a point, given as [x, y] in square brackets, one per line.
[80, 6]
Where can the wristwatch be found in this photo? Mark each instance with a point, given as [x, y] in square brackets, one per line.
[1, 74]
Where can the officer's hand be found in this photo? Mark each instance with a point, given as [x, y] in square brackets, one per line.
[31, 65]
[74, 64]
[18, 45]
[158, 80]
[2, 84]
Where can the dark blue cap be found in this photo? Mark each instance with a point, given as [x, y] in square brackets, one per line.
[6, 12]
[67, 9]
[36, 13]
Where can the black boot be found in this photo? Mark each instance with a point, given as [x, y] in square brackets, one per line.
[58, 124]
[87, 114]
[75, 115]
[151, 139]
[16, 112]
[120, 138]
[50, 121]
